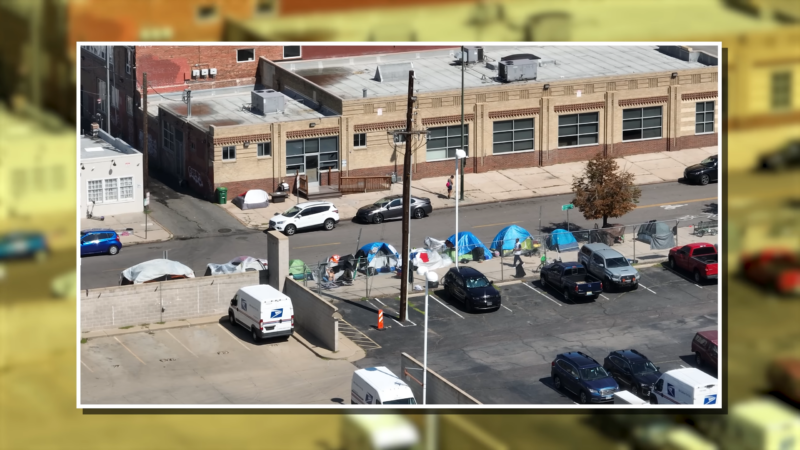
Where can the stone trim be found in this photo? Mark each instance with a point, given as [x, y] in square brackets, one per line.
[579, 107]
[513, 113]
[643, 101]
[312, 132]
[363, 128]
[447, 119]
[252, 138]
[699, 95]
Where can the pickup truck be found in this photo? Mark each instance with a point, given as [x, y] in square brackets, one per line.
[698, 259]
[571, 279]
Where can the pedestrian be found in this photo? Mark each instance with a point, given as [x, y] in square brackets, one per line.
[517, 252]
[449, 186]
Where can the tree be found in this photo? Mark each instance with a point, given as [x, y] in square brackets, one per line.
[602, 192]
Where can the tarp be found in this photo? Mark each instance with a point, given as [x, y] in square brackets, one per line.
[657, 234]
[236, 265]
[467, 242]
[563, 241]
[155, 270]
[509, 236]
[297, 269]
[430, 259]
[434, 244]
[252, 199]
[380, 256]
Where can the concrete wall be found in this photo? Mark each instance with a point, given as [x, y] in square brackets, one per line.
[439, 392]
[121, 306]
[313, 315]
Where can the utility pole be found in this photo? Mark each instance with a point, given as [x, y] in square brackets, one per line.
[144, 130]
[463, 143]
[108, 90]
[407, 199]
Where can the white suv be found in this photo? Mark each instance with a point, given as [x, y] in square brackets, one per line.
[306, 215]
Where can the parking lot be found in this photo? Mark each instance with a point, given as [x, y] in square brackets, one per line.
[504, 357]
[208, 364]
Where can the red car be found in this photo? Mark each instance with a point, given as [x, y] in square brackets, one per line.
[777, 269]
[705, 346]
[698, 259]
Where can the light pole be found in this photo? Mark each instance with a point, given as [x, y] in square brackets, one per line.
[460, 154]
[429, 277]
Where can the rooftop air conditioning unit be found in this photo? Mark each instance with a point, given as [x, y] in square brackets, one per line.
[518, 70]
[266, 101]
[473, 54]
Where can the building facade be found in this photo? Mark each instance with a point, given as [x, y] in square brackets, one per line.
[111, 176]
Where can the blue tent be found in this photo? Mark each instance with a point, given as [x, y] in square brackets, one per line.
[467, 241]
[509, 236]
[380, 256]
[563, 241]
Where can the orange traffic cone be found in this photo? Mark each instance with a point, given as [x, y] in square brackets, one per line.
[380, 320]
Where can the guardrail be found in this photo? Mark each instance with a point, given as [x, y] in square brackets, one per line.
[352, 185]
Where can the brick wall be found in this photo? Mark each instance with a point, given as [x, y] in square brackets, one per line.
[510, 161]
[702, 140]
[639, 147]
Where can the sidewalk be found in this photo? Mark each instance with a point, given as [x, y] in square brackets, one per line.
[495, 186]
[119, 223]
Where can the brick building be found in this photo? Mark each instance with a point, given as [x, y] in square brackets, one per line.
[584, 100]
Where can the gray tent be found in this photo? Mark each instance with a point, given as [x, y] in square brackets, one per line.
[237, 265]
[252, 199]
[657, 234]
[155, 270]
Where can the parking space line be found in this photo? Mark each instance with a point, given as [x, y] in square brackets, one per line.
[683, 366]
[601, 295]
[179, 342]
[87, 367]
[397, 322]
[542, 294]
[412, 323]
[640, 284]
[506, 307]
[233, 337]
[384, 304]
[129, 350]
[442, 303]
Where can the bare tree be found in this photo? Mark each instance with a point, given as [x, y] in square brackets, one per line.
[602, 191]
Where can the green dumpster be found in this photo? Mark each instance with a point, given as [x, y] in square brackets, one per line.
[222, 195]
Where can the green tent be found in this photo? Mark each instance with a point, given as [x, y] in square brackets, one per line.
[298, 268]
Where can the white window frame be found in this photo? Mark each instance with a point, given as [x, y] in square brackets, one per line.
[104, 188]
[513, 136]
[260, 146]
[642, 127]
[577, 124]
[283, 52]
[364, 145]
[247, 60]
[128, 60]
[229, 148]
[705, 111]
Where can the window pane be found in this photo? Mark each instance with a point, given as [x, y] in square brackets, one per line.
[332, 164]
[328, 156]
[297, 167]
[437, 143]
[455, 130]
[110, 190]
[700, 107]
[454, 141]
[631, 113]
[698, 128]
[291, 51]
[438, 132]
[264, 149]
[631, 124]
[294, 160]
[652, 111]
[565, 131]
[437, 154]
[652, 133]
[588, 117]
[590, 128]
[699, 118]
[126, 188]
[568, 120]
[504, 136]
[311, 145]
[503, 126]
[587, 139]
[709, 117]
[567, 141]
[328, 144]
[95, 190]
[294, 148]
[525, 134]
[652, 122]
[523, 145]
[523, 123]
[631, 134]
[245, 54]
[710, 127]
[504, 147]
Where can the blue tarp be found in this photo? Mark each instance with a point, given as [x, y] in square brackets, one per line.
[467, 241]
[509, 236]
[381, 248]
[563, 241]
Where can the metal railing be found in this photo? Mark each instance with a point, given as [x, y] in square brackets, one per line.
[352, 185]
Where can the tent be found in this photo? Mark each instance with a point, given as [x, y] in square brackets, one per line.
[657, 234]
[237, 265]
[381, 257]
[155, 270]
[252, 199]
[563, 241]
[508, 236]
[430, 259]
[435, 244]
[467, 242]
[298, 269]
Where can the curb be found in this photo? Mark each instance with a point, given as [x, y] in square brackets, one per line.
[171, 236]
[359, 354]
[153, 327]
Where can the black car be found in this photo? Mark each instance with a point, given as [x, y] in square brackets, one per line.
[784, 158]
[391, 207]
[633, 371]
[471, 288]
[703, 173]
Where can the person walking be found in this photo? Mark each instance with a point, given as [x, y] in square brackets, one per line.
[449, 186]
[517, 253]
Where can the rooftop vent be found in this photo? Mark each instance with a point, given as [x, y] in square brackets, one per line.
[473, 54]
[267, 101]
[393, 72]
[687, 54]
[518, 70]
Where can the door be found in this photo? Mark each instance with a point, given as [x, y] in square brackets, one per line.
[87, 244]
[312, 171]
[460, 288]
[105, 242]
[619, 367]
[394, 210]
[597, 267]
[570, 378]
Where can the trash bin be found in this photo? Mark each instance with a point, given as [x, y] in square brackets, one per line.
[222, 195]
[279, 197]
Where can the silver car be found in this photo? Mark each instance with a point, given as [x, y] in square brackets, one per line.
[609, 265]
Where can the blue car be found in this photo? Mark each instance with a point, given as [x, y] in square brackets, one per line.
[580, 374]
[100, 241]
[23, 245]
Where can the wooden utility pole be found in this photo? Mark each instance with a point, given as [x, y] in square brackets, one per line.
[144, 131]
[407, 200]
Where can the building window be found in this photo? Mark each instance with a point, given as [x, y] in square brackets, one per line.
[179, 140]
[115, 99]
[110, 190]
[126, 188]
[704, 117]
[245, 55]
[128, 59]
[641, 123]
[95, 191]
[291, 51]
[321, 153]
[513, 136]
[229, 153]
[578, 129]
[129, 105]
[781, 90]
[360, 140]
[444, 141]
[101, 88]
[400, 138]
[169, 142]
[265, 149]
[206, 12]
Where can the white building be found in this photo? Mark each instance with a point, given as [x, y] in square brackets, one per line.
[110, 176]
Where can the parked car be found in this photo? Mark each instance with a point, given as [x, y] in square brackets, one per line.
[471, 288]
[699, 259]
[703, 173]
[23, 244]
[305, 216]
[571, 279]
[633, 371]
[609, 265]
[778, 270]
[391, 207]
[100, 240]
[783, 158]
[580, 374]
[705, 347]
[784, 377]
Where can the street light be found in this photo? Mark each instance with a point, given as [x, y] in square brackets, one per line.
[460, 154]
[429, 276]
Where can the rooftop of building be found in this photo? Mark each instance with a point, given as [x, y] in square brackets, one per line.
[436, 70]
[228, 106]
[104, 146]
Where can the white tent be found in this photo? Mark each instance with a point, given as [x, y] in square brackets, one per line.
[252, 199]
[237, 265]
[430, 259]
[155, 270]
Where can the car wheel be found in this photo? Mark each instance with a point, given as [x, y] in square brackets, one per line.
[232, 318]
[635, 390]
[635, 287]
[697, 278]
[113, 250]
[653, 399]
[557, 382]
[704, 180]
[255, 334]
[419, 213]
[377, 218]
[290, 230]
[543, 280]
[566, 294]
[329, 224]
[583, 399]
[672, 264]
[698, 360]
[608, 286]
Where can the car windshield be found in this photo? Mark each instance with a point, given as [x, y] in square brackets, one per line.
[643, 367]
[612, 263]
[708, 161]
[402, 401]
[292, 212]
[383, 202]
[593, 373]
[477, 282]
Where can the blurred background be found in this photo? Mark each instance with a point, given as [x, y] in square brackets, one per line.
[38, 89]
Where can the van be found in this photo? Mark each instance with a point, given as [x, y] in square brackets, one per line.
[688, 386]
[627, 398]
[379, 386]
[759, 424]
[263, 310]
[378, 432]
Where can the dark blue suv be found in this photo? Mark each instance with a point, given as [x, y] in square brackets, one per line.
[100, 240]
[580, 374]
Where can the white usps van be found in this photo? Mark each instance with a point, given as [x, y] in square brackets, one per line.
[263, 310]
[378, 432]
[687, 386]
[379, 386]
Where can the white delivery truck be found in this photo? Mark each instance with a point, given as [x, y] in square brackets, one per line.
[757, 424]
[627, 398]
[263, 310]
[687, 386]
[378, 432]
[379, 386]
